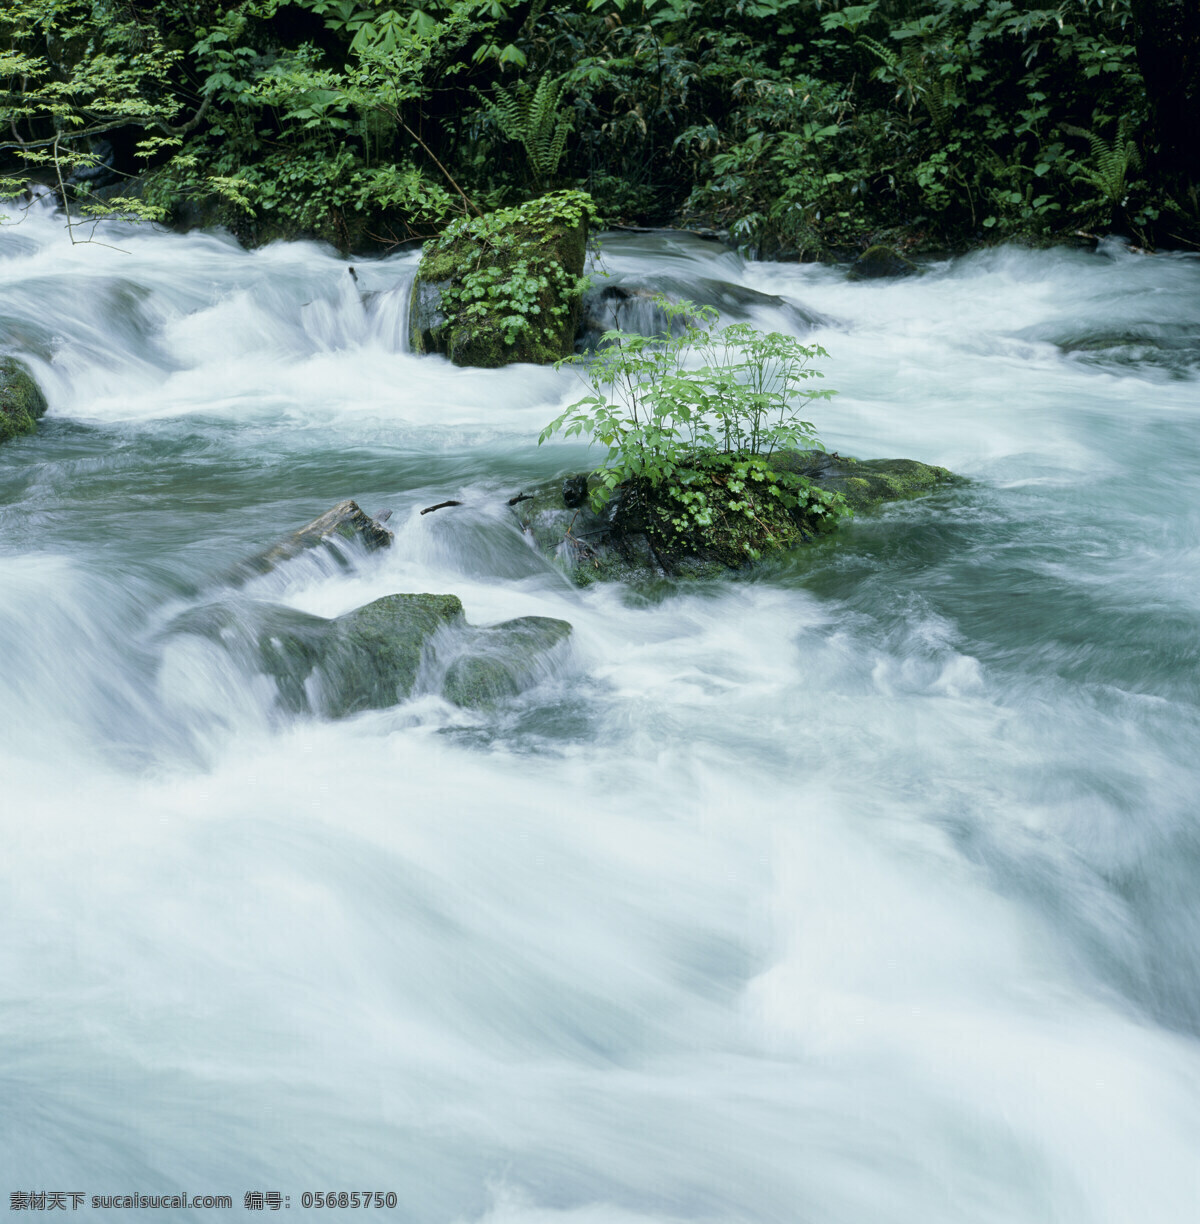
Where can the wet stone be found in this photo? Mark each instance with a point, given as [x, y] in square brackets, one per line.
[343, 522]
[22, 403]
[630, 538]
[503, 660]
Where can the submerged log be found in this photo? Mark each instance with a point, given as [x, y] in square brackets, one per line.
[345, 521]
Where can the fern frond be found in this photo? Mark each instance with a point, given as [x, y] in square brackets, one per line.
[533, 118]
[1110, 163]
[889, 57]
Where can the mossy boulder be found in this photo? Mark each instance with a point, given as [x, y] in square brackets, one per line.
[504, 287]
[644, 531]
[502, 661]
[866, 484]
[380, 654]
[881, 262]
[641, 531]
[373, 654]
[22, 403]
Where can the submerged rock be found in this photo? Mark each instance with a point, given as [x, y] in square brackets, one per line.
[380, 654]
[502, 661]
[878, 262]
[345, 521]
[638, 533]
[22, 403]
[504, 287]
[621, 306]
[372, 655]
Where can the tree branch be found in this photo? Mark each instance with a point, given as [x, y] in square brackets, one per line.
[439, 165]
[85, 131]
[184, 128]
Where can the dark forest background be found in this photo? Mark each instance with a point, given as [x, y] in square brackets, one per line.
[799, 128]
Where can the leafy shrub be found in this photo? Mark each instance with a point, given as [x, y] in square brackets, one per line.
[697, 416]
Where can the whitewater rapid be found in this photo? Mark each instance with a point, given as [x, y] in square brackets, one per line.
[863, 888]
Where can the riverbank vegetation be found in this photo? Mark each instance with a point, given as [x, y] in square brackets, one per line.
[799, 128]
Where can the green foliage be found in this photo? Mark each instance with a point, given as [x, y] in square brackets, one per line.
[66, 81]
[945, 119]
[697, 417]
[1110, 164]
[531, 117]
[799, 127]
[791, 180]
[304, 148]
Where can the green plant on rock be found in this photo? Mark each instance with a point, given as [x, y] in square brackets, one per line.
[692, 421]
[514, 273]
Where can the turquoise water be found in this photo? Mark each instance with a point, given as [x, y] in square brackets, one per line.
[862, 888]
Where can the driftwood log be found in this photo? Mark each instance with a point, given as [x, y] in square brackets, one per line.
[345, 521]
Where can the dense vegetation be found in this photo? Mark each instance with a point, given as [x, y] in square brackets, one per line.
[800, 127]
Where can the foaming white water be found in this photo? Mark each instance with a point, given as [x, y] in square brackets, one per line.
[860, 890]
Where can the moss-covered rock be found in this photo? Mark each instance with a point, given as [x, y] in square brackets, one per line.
[377, 655]
[503, 660]
[867, 484]
[288, 645]
[380, 654]
[373, 654]
[270, 639]
[22, 403]
[643, 531]
[504, 287]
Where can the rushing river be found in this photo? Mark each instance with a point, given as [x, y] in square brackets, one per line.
[865, 889]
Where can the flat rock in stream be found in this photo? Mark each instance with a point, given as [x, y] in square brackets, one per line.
[631, 539]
